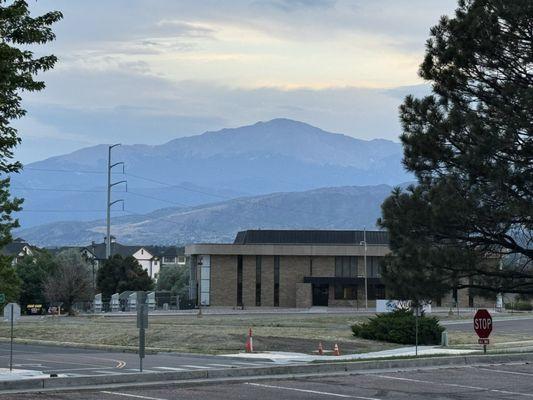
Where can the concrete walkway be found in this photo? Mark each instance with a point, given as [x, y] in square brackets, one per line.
[286, 357]
[16, 374]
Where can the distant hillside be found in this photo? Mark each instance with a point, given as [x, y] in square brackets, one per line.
[276, 156]
[349, 207]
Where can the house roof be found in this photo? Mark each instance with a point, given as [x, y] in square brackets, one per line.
[334, 237]
[164, 251]
[99, 250]
[14, 248]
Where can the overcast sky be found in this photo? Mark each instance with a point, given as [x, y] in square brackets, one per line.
[140, 71]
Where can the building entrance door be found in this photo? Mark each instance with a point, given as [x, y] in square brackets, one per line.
[320, 295]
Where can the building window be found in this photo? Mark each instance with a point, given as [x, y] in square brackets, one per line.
[169, 260]
[374, 267]
[345, 292]
[345, 267]
[204, 262]
[181, 260]
[239, 280]
[380, 292]
[276, 281]
[258, 280]
[310, 266]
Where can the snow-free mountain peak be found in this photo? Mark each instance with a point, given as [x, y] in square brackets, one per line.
[279, 155]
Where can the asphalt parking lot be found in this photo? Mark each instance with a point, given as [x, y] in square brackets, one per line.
[506, 381]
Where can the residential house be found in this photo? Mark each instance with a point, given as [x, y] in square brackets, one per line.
[151, 258]
[18, 249]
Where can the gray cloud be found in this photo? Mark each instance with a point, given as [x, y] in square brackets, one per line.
[103, 90]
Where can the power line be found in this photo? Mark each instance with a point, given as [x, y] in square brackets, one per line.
[178, 186]
[134, 176]
[65, 170]
[156, 198]
[64, 211]
[57, 190]
[300, 211]
[100, 191]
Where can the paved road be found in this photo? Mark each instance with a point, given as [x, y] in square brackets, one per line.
[517, 325]
[77, 362]
[510, 381]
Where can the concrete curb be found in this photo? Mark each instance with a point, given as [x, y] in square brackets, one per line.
[201, 376]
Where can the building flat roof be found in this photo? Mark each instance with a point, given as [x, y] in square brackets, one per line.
[316, 236]
[298, 243]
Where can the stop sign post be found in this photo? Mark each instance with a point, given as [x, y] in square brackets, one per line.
[483, 327]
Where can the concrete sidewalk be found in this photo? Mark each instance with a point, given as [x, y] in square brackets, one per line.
[17, 374]
[286, 357]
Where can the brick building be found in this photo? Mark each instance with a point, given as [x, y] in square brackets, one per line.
[289, 268]
[296, 268]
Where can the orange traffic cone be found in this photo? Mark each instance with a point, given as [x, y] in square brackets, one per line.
[249, 347]
[336, 351]
[320, 349]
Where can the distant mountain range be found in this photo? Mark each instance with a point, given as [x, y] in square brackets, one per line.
[349, 207]
[276, 156]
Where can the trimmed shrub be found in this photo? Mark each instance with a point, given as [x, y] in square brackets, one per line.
[519, 306]
[399, 327]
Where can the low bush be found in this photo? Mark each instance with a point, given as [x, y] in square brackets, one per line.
[519, 306]
[399, 327]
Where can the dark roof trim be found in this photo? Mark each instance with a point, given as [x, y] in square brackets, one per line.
[317, 237]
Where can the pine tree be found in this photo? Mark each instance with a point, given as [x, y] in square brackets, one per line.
[470, 146]
[17, 70]
[119, 274]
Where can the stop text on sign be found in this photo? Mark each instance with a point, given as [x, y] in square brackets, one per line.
[483, 323]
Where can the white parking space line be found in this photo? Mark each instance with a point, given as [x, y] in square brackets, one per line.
[197, 366]
[253, 364]
[223, 365]
[453, 385]
[132, 370]
[108, 371]
[171, 368]
[135, 396]
[346, 396]
[502, 371]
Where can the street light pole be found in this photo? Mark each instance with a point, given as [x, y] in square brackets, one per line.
[366, 270]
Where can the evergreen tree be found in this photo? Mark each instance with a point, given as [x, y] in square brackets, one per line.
[33, 271]
[119, 274]
[470, 146]
[17, 70]
[9, 281]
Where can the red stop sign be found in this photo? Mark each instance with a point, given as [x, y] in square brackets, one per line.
[483, 323]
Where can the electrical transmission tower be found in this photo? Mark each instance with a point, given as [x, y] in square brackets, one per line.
[109, 202]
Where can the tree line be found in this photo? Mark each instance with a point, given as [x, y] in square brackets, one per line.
[66, 278]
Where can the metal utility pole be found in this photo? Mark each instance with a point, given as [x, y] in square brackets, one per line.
[109, 202]
[366, 270]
